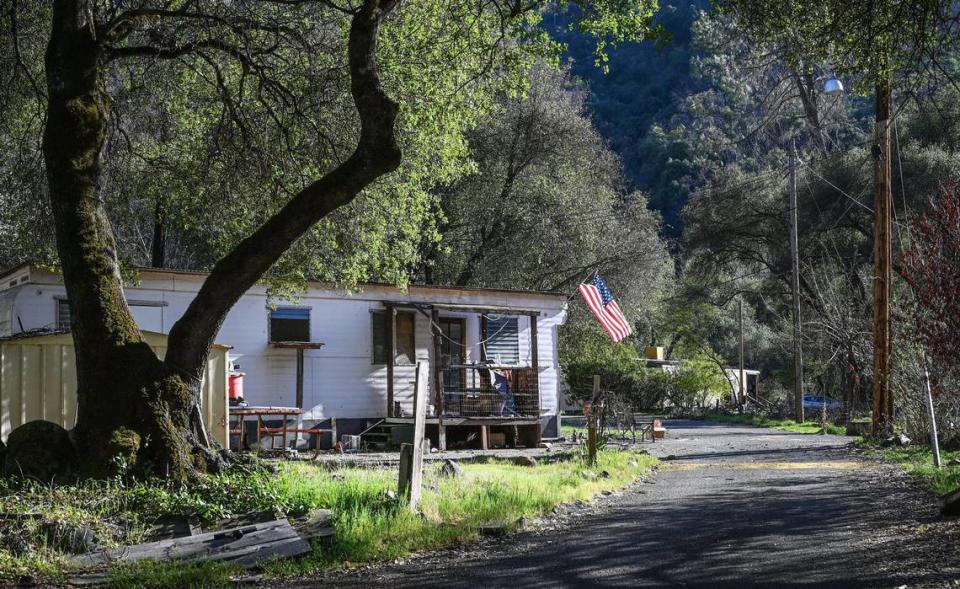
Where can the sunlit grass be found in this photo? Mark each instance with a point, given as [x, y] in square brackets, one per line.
[918, 460]
[375, 529]
[568, 430]
[807, 427]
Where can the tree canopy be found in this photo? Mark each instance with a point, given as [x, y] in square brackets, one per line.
[239, 136]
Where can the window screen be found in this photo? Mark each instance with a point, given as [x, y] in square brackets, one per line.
[290, 325]
[381, 345]
[405, 338]
[503, 341]
[63, 315]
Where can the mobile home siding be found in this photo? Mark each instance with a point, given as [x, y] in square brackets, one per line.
[340, 379]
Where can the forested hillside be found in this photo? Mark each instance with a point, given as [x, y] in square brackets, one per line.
[704, 123]
[641, 86]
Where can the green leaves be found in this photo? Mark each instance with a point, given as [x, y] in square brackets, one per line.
[613, 22]
[868, 42]
[210, 146]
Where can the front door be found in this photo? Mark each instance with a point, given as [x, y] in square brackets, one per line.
[452, 352]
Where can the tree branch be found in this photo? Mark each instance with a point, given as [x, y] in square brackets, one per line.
[376, 154]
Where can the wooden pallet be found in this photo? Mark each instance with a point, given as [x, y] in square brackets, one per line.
[244, 546]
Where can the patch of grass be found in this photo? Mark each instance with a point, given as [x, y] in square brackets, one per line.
[370, 525]
[918, 461]
[370, 528]
[44, 563]
[568, 430]
[157, 575]
[807, 427]
[118, 512]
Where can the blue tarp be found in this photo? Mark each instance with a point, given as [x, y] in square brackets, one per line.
[303, 314]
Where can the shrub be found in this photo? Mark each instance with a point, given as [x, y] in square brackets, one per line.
[624, 377]
[696, 381]
[621, 372]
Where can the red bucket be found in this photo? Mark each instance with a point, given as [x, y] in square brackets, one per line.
[235, 386]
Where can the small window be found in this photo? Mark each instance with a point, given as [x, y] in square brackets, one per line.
[404, 337]
[290, 325]
[406, 342]
[63, 315]
[6, 316]
[503, 342]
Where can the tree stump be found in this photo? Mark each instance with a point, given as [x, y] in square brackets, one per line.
[41, 450]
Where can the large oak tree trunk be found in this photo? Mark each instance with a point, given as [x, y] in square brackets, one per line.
[131, 403]
[122, 386]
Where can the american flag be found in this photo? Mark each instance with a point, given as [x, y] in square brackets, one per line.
[598, 297]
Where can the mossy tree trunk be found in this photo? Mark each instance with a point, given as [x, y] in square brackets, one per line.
[122, 385]
[130, 401]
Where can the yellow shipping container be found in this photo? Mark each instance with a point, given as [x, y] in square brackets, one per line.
[653, 353]
[38, 380]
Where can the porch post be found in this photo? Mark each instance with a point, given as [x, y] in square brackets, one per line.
[437, 363]
[483, 336]
[534, 352]
[535, 365]
[392, 342]
[441, 427]
[300, 378]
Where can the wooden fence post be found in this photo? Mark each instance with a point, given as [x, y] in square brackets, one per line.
[406, 470]
[411, 455]
[592, 423]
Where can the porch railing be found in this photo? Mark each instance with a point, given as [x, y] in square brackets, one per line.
[490, 391]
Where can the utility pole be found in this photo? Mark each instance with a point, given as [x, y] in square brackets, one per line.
[882, 253]
[823, 411]
[795, 287]
[743, 380]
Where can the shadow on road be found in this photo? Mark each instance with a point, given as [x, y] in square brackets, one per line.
[713, 526]
[772, 453]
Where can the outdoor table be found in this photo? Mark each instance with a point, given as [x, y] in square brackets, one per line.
[282, 413]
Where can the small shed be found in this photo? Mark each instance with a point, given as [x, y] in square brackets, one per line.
[38, 380]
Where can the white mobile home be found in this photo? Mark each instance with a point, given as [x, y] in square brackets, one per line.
[352, 356]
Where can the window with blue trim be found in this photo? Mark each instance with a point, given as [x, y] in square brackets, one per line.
[290, 324]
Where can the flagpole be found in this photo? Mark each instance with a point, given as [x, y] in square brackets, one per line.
[589, 276]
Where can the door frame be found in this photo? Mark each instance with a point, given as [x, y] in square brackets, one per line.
[443, 322]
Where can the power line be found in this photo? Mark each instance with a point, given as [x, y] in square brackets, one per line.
[844, 193]
[835, 187]
[439, 329]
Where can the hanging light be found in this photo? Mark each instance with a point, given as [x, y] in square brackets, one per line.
[833, 86]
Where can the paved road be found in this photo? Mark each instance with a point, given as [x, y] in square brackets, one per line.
[733, 507]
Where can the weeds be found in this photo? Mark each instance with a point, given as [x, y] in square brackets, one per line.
[807, 427]
[370, 525]
[918, 461]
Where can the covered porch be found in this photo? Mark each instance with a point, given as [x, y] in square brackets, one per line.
[487, 399]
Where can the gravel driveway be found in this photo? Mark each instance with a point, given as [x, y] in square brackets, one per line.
[732, 506]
